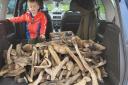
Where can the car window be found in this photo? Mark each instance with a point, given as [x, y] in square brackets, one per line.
[11, 8]
[25, 6]
[0, 5]
[101, 10]
[51, 5]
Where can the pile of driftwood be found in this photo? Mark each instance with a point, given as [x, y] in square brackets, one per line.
[64, 62]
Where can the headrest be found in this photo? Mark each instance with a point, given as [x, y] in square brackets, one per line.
[73, 6]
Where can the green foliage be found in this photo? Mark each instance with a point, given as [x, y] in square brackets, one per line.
[63, 6]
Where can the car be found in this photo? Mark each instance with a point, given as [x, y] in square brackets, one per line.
[111, 31]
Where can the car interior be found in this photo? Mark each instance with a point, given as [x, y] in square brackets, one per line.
[107, 33]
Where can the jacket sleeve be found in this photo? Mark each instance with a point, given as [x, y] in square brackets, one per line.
[43, 25]
[18, 19]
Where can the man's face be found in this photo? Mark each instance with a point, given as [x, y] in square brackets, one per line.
[33, 7]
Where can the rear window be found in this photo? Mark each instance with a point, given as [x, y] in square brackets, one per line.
[11, 8]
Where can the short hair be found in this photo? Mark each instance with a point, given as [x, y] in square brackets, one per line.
[40, 2]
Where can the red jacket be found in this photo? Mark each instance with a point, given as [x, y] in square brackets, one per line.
[33, 24]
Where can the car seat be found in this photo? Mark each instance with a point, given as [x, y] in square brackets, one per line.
[71, 19]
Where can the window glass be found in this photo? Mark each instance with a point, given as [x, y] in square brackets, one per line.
[11, 8]
[51, 5]
[113, 2]
[101, 11]
[1, 7]
[25, 6]
[126, 3]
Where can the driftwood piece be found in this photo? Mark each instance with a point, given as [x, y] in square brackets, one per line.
[29, 78]
[44, 65]
[54, 54]
[99, 47]
[18, 49]
[88, 60]
[27, 47]
[32, 66]
[3, 72]
[46, 52]
[22, 61]
[32, 72]
[99, 76]
[15, 72]
[68, 74]
[86, 66]
[38, 80]
[75, 70]
[83, 81]
[54, 71]
[71, 80]
[58, 68]
[9, 61]
[75, 58]
[63, 73]
[103, 72]
[102, 63]
[35, 55]
[53, 83]
[59, 48]
[70, 67]
[13, 52]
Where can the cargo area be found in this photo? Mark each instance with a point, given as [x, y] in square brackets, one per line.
[109, 39]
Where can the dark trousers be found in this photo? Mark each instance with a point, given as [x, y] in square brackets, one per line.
[34, 41]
